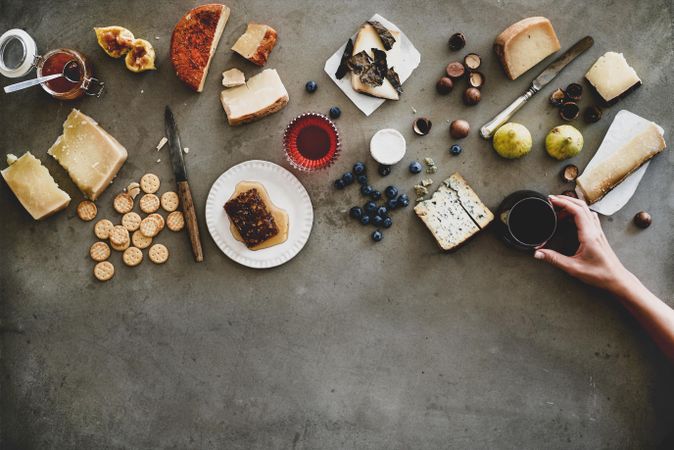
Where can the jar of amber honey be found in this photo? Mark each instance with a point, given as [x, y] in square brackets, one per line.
[18, 56]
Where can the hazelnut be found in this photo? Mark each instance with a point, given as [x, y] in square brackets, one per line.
[569, 111]
[472, 61]
[444, 85]
[592, 114]
[574, 92]
[569, 173]
[557, 97]
[471, 96]
[642, 219]
[457, 41]
[455, 70]
[459, 129]
[476, 79]
[570, 193]
[422, 126]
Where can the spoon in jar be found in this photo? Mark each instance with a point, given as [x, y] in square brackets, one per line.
[71, 72]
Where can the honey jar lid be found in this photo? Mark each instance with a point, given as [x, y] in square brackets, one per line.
[18, 52]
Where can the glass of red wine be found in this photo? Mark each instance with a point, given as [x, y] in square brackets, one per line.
[311, 142]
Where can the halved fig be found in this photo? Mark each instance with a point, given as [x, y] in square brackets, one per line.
[114, 40]
[141, 56]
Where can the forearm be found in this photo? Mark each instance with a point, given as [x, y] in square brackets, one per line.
[655, 316]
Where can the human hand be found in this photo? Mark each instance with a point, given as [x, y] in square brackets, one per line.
[595, 262]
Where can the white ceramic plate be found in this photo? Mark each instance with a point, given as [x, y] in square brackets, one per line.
[285, 191]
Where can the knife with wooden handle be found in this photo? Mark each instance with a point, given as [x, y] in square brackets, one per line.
[541, 80]
[180, 171]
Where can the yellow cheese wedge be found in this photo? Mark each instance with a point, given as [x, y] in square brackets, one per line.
[88, 153]
[262, 95]
[524, 44]
[34, 186]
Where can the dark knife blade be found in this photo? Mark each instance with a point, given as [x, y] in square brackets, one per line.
[557, 65]
[175, 147]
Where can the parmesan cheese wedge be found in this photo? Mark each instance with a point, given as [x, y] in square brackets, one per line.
[34, 187]
[262, 95]
[524, 44]
[88, 153]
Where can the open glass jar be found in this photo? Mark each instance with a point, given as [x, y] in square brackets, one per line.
[18, 56]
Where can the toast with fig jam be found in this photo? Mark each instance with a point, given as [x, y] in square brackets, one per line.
[251, 217]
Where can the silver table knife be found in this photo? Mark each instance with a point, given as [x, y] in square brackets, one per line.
[541, 80]
[180, 171]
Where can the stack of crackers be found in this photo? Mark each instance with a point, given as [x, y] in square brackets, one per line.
[144, 229]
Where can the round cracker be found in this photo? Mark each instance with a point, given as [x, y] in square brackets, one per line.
[132, 256]
[159, 219]
[170, 201]
[121, 247]
[149, 183]
[131, 221]
[149, 227]
[86, 210]
[175, 221]
[103, 228]
[158, 253]
[123, 203]
[140, 240]
[149, 203]
[104, 270]
[119, 235]
[99, 251]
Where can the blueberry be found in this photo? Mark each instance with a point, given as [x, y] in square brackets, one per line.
[415, 167]
[347, 178]
[311, 86]
[384, 170]
[356, 212]
[375, 195]
[377, 236]
[403, 200]
[370, 207]
[382, 211]
[359, 168]
[365, 220]
[366, 189]
[362, 179]
[391, 192]
[339, 184]
[335, 112]
[377, 221]
[455, 149]
[391, 203]
[388, 222]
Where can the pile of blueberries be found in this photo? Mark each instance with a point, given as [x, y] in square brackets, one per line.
[372, 213]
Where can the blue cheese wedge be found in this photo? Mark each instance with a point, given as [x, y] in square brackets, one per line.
[454, 213]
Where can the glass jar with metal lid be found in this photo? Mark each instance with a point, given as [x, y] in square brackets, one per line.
[19, 55]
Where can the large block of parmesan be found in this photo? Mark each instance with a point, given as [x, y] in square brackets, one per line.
[524, 44]
[88, 153]
[262, 95]
[593, 184]
[34, 186]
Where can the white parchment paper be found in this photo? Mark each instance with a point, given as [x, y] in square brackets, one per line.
[623, 128]
[409, 60]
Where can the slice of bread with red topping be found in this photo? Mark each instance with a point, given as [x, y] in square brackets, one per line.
[194, 41]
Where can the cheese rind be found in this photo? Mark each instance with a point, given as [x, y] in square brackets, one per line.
[594, 184]
[256, 43]
[34, 187]
[524, 44]
[262, 95]
[454, 213]
[612, 77]
[88, 153]
[366, 40]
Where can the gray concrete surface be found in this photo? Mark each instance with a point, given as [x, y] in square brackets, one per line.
[351, 344]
